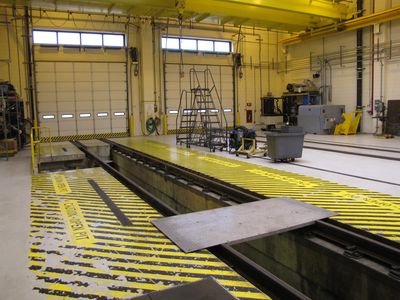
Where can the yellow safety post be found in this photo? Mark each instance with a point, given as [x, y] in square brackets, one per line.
[165, 125]
[350, 124]
[131, 126]
[238, 118]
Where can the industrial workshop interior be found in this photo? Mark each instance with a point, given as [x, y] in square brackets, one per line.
[200, 150]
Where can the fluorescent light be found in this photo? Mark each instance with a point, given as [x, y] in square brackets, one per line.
[119, 114]
[46, 117]
[67, 116]
[102, 114]
[202, 110]
[227, 109]
[214, 110]
[187, 111]
[85, 115]
[173, 112]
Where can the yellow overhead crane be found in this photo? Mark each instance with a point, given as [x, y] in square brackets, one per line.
[291, 15]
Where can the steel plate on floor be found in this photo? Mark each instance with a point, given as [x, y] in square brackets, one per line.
[207, 288]
[238, 223]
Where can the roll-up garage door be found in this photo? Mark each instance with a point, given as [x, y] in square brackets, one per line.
[77, 99]
[175, 84]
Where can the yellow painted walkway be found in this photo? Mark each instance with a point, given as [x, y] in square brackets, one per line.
[375, 212]
[79, 249]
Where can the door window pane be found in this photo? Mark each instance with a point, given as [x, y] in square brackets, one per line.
[187, 44]
[113, 40]
[69, 38]
[45, 37]
[207, 46]
[222, 47]
[92, 39]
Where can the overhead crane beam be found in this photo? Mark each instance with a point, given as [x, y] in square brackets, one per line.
[324, 9]
[255, 14]
[368, 20]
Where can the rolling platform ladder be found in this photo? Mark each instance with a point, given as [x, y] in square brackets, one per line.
[201, 119]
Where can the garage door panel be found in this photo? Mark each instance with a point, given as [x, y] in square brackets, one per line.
[117, 86]
[118, 105]
[49, 106]
[53, 125]
[101, 105]
[47, 96]
[82, 67]
[100, 67]
[64, 67]
[100, 76]
[46, 86]
[65, 76]
[64, 86]
[117, 77]
[66, 106]
[83, 77]
[45, 67]
[47, 77]
[101, 96]
[117, 68]
[83, 96]
[85, 126]
[117, 95]
[100, 86]
[81, 88]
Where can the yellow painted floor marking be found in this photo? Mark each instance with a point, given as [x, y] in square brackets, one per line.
[80, 250]
[379, 209]
[60, 184]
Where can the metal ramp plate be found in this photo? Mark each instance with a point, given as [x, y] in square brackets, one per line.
[207, 288]
[238, 223]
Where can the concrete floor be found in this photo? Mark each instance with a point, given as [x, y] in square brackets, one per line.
[15, 184]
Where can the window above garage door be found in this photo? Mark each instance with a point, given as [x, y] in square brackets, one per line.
[78, 38]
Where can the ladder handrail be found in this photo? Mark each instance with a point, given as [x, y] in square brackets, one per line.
[218, 97]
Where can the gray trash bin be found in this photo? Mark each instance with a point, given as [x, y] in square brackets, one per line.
[285, 143]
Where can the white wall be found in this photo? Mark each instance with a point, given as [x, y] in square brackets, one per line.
[344, 74]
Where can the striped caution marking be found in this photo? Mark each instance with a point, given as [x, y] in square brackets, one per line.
[375, 212]
[80, 249]
[84, 137]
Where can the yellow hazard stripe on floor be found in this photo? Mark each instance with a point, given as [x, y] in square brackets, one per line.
[372, 211]
[83, 137]
[79, 249]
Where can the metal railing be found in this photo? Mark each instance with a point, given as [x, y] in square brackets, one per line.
[38, 136]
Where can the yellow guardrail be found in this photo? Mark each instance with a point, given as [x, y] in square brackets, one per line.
[39, 135]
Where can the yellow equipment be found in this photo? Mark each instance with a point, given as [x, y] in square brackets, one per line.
[350, 124]
[252, 150]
